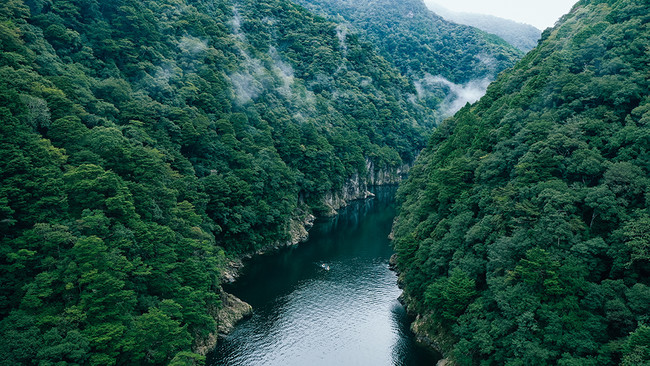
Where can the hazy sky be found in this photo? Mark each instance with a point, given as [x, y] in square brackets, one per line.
[540, 13]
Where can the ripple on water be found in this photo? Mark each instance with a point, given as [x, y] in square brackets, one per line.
[305, 315]
[337, 318]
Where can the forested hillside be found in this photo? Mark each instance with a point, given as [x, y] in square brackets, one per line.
[142, 142]
[449, 63]
[523, 237]
[522, 36]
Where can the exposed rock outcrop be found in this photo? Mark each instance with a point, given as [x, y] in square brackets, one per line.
[357, 186]
[354, 188]
[230, 273]
[392, 263]
[386, 175]
[421, 335]
[298, 232]
[297, 228]
[426, 333]
[232, 311]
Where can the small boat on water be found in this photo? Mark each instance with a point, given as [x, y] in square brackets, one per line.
[325, 266]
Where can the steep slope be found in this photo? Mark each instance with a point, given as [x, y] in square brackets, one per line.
[450, 64]
[522, 36]
[142, 139]
[523, 231]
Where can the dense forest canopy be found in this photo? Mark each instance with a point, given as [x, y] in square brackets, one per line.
[143, 142]
[450, 64]
[523, 233]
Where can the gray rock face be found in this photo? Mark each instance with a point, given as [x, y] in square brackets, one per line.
[232, 311]
[357, 186]
[353, 189]
[385, 175]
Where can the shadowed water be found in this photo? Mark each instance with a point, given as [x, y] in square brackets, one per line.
[306, 315]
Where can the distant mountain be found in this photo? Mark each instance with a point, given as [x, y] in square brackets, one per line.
[450, 64]
[523, 234]
[523, 36]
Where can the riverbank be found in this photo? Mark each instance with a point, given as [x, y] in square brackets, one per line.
[420, 326]
[233, 309]
[305, 314]
[354, 189]
[298, 231]
[427, 334]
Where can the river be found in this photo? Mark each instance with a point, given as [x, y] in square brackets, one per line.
[307, 315]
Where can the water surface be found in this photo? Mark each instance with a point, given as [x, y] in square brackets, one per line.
[307, 315]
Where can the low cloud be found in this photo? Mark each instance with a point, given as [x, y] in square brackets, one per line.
[245, 86]
[341, 33]
[283, 70]
[456, 95]
[192, 45]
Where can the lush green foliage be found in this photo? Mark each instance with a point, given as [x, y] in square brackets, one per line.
[139, 138]
[423, 45]
[419, 42]
[523, 233]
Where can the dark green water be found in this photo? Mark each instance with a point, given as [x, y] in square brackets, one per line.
[306, 315]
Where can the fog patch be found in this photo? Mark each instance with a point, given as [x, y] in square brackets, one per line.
[260, 73]
[455, 95]
[341, 33]
[163, 75]
[192, 45]
[245, 86]
[365, 81]
[235, 23]
[160, 82]
[488, 61]
[246, 82]
[283, 70]
[293, 91]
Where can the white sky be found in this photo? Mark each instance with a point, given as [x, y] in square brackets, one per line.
[540, 13]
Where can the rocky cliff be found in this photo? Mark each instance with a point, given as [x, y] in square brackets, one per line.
[357, 186]
[232, 311]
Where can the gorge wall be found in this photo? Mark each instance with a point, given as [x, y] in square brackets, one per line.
[356, 187]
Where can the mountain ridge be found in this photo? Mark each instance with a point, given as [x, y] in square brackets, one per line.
[519, 231]
[521, 35]
[444, 60]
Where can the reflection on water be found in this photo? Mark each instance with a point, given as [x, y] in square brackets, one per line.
[306, 315]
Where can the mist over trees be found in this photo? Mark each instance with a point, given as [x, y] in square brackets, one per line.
[444, 60]
[145, 142]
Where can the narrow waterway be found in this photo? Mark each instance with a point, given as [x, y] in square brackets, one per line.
[305, 314]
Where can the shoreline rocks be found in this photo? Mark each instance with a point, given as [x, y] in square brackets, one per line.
[234, 309]
[427, 335]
